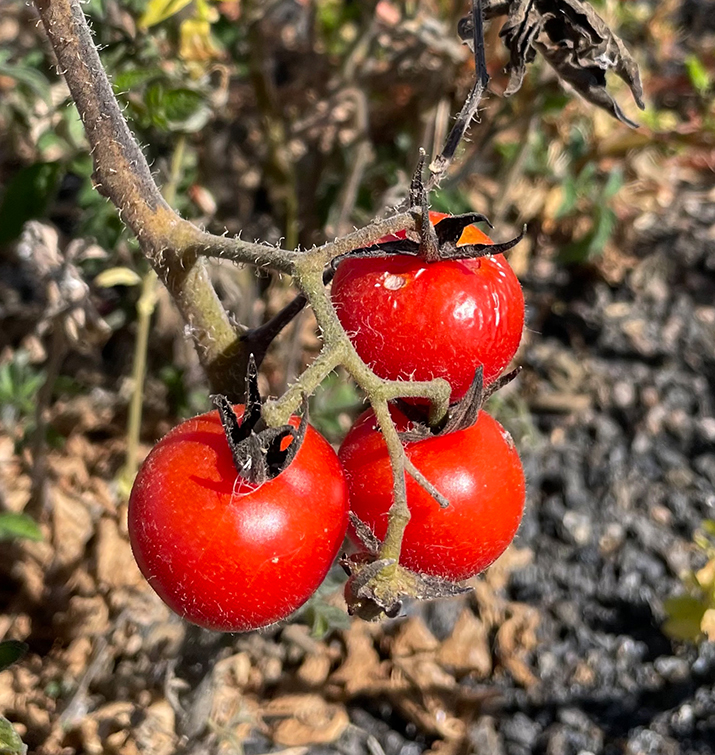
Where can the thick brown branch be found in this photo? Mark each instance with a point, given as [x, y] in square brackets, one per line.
[171, 244]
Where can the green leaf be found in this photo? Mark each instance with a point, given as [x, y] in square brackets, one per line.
[613, 184]
[134, 78]
[328, 618]
[698, 74]
[28, 77]
[159, 10]
[27, 197]
[569, 197]
[179, 109]
[604, 228]
[19, 525]
[95, 8]
[11, 651]
[10, 742]
[181, 104]
[684, 616]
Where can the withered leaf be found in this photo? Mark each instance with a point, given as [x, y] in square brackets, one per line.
[578, 45]
[574, 40]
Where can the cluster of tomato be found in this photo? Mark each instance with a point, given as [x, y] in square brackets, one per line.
[233, 552]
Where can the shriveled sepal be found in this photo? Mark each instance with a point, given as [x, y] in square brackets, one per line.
[259, 452]
[461, 415]
[377, 587]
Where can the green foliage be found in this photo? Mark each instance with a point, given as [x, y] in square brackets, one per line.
[451, 201]
[318, 613]
[586, 190]
[25, 76]
[333, 406]
[99, 218]
[698, 74]
[183, 403]
[692, 616]
[18, 526]
[10, 742]
[27, 197]
[337, 24]
[19, 383]
[11, 651]
[171, 108]
[598, 193]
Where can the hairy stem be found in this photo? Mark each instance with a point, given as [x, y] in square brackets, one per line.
[172, 245]
[338, 349]
[399, 514]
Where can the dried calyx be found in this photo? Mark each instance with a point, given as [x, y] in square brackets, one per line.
[434, 242]
[260, 453]
[461, 415]
[377, 587]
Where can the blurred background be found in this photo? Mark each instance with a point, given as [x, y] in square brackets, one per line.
[292, 122]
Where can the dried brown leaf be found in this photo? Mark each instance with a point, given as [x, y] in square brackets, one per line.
[577, 43]
[466, 650]
[413, 637]
[314, 670]
[72, 527]
[362, 670]
[431, 697]
[306, 719]
[116, 566]
[515, 639]
[156, 733]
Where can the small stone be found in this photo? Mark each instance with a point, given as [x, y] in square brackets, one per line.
[578, 526]
[672, 669]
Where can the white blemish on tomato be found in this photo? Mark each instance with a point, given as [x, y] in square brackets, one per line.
[393, 282]
[465, 311]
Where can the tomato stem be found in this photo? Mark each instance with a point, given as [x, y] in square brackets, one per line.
[399, 514]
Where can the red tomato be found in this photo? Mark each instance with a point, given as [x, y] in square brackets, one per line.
[226, 554]
[477, 469]
[409, 319]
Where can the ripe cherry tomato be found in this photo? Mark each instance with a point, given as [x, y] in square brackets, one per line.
[477, 469]
[226, 554]
[409, 319]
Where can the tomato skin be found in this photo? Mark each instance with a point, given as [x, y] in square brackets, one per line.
[223, 553]
[409, 319]
[477, 469]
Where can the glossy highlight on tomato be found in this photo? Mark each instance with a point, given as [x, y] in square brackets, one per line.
[225, 554]
[477, 469]
[410, 319]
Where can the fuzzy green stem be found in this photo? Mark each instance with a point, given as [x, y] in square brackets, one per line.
[399, 514]
[338, 349]
[278, 412]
